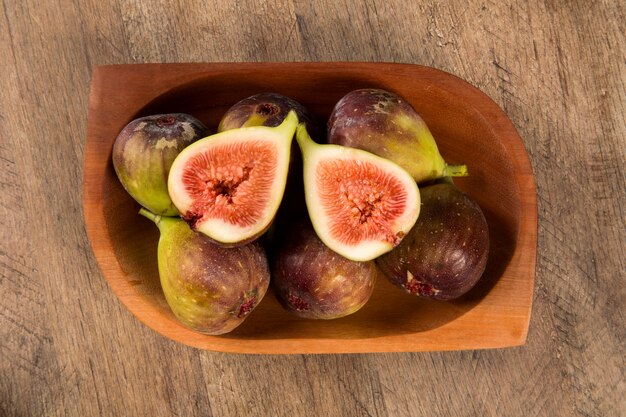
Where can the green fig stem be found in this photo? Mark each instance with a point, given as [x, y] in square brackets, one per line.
[150, 215]
[456, 171]
[303, 138]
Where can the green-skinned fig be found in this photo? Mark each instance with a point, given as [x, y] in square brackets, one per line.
[314, 282]
[229, 186]
[143, 154]
[210, 289]
[361, 205]
[385, 124]
[445, 253]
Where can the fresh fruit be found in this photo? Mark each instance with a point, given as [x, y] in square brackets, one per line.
[361, 205]
[445, 253]
[314, 282]
[384, 124]
[229, 185]
[143, 154]
[210, 289]
[266, 109]
[270, 109]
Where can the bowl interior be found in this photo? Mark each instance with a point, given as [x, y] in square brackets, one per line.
[465, 133]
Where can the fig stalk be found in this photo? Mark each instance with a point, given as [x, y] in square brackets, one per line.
[155, 218]
[455, 171]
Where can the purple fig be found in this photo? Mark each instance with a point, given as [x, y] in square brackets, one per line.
[314, 282]
[385, 124]
[210, 289]
[266, 109]
[445, 253]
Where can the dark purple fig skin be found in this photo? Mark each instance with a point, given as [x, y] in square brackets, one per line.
[445, 253]
[267, 109]
[210, 289]
[143, 154]
[312, 281]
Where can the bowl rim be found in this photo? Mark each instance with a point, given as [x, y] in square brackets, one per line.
[181, 73]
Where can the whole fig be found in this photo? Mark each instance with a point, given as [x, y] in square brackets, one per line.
[210, 289]
[445, 253]
[386, 125]
[266, 109]
[312, 281]
[143, 154]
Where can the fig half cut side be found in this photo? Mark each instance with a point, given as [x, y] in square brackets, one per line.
[229, 186]
[360, 205]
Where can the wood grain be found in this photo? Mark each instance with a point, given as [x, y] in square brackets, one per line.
[557, 69]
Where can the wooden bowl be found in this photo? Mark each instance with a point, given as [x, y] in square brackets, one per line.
[469, 128]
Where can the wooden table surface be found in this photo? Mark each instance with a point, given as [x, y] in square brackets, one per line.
[556, 68]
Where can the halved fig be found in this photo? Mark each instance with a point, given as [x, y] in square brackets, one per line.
[270, 109]
[228, 186]
[361, 205]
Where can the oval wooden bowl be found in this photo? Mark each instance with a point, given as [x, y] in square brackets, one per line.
[469, 128]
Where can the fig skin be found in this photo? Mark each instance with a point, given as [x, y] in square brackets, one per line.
[445, 253]
[266, 109]
[386, 125]
[210, 289]
[312, 281]
[143, 154]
